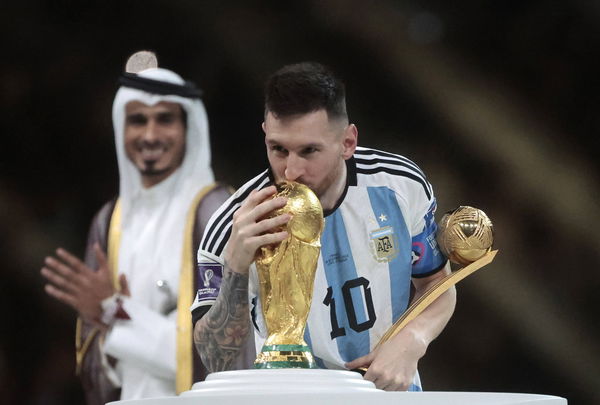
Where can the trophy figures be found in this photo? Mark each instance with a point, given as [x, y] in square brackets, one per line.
[286, 275]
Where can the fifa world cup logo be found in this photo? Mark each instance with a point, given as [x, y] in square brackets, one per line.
[286, 274]
[208, 274]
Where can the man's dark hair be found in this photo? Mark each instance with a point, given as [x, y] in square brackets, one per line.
[303, 88]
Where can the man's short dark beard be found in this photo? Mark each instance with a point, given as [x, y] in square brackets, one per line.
[150, 171]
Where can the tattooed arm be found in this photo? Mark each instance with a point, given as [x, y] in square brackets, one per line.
[221, 333]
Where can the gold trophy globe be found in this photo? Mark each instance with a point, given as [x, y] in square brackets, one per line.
[286, 274]
[465, 235]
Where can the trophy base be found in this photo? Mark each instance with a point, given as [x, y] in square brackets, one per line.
[322, 387]
[285, 356]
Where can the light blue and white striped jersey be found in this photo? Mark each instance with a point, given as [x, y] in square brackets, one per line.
[380, 234]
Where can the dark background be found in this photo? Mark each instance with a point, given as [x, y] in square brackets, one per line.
[496, 100]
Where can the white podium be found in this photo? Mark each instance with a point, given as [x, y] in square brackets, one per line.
[323, 387]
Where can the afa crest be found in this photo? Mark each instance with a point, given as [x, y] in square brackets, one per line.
[384, 244]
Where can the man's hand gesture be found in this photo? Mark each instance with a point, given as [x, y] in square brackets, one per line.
[79, 286]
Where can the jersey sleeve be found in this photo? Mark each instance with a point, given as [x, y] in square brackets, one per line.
[427, 258]
[210, 261]
[209, 273]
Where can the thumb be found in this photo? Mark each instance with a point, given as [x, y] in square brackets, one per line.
[364, 361]
[124, 285]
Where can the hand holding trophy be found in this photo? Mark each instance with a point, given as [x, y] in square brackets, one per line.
[286, 275]
[465, 236]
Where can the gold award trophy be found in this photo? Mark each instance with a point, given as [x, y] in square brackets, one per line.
[465, 236]
[286, 274]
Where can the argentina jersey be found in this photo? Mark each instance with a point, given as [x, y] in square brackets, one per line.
[210, 262]
[380, 235]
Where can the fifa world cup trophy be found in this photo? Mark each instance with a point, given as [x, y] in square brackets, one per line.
[286, 275]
